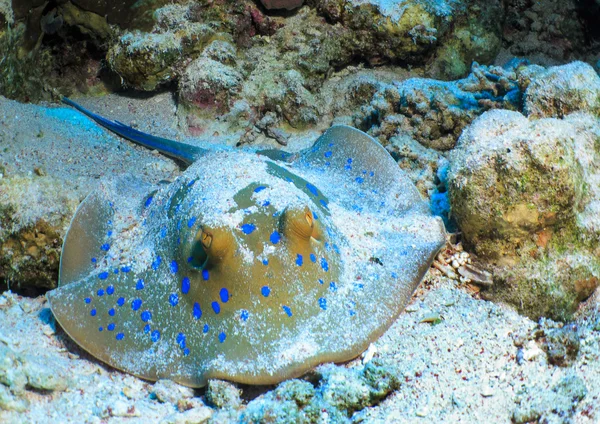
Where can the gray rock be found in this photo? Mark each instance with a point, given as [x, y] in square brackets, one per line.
[562, 90]
[525, 195]
[222, 394]
[10, 402]
[169, 391]
[555, 405]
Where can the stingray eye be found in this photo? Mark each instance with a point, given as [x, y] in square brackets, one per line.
[198, 256]
[206, 239]
[309, 217]
[211, 246]
[298, 224]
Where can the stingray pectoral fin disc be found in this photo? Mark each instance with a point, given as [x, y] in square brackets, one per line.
[356, 161]
[90, 233]
[99, 316]
[86, 239]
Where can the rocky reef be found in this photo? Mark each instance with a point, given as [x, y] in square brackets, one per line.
[492, 108]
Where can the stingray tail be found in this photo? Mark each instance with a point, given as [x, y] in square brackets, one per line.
[184, 152]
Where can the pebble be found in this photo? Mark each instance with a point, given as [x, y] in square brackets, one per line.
[171, 392]
[412, 308]
[9, 402]
[123, 409]
[193, 416]
[532, 351]
[369, 353]
[422, 412]
[487, 391]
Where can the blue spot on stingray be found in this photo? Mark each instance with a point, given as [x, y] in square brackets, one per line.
[121, 301]
[156, 263]
[94, 260]
[287, 310]
[323, 202]
[315, 216]
[146, 316]
[312, 189]
[216, 307]
[140, 284]
[103, 275]
[155, 336]
[100, 328]
[205, 329]
[347, 167]
[148, 201]
[136, 304]
[125, 269]
[197, 312]
[265, 262]
[265, 291]
[299, 259]
[222, 337]
[336, 249]
[186, 352]
[275, 237]
[323, 303]
[93, 312]
[248, 228]
[266, 203]
[146, 328]
[313, 258]
[324, 264]
[371, 174]
[351, 312]
[244, 315]
[116, 271]
[191, 183]
[111, 312]
[163, 232]
[394, 275]
[110, 290]
[333, 286]
[173, 299]
[109, 233]
[224, 295]
[359, 180]
[205, 274]
[327, 163]
[180, 340]
[259, 189]
[185, 285]
[119, 336]
[321, 281]
[173, 267]
[111, 326]
[191, 222]
[105, 247]
[87, 300]
[328, 154]
[189, 259]
[100, 292]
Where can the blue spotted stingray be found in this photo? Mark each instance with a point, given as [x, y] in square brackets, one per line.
[251, 266]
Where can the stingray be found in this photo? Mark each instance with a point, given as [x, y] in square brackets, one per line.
[252, 266]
